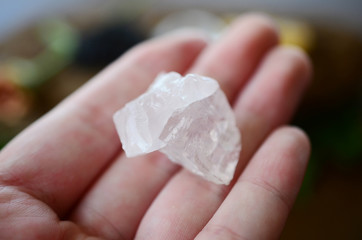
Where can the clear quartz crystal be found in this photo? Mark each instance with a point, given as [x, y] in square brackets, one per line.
[187, 118]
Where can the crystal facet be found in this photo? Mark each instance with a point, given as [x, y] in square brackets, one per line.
[187, 118]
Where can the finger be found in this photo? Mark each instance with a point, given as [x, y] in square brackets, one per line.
[259, 203]
[272, 97]
[115, 205]
[137, 192]
[278, 84]
[232, 60]
[56, 158]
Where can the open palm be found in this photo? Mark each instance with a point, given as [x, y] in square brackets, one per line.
[66, 177]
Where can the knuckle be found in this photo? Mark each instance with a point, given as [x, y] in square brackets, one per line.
[260, 22]
[296, 137]
[298, 59]
[221, 232]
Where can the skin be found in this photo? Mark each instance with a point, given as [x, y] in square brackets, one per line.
[66, 177]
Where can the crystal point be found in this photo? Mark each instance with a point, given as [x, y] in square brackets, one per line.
[187, 118]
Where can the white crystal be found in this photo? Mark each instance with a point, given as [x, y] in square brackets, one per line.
[187, 118]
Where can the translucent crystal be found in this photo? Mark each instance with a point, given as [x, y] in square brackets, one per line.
[187, 118]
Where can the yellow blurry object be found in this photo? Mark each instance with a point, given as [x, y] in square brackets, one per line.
[292, 32]
[296, 33]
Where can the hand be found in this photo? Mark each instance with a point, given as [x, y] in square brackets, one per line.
[65, 177]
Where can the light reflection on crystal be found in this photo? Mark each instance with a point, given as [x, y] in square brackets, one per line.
[187, 118]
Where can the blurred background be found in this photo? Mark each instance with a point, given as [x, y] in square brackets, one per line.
[49, 48]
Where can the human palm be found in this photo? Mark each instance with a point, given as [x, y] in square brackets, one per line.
[65, 177]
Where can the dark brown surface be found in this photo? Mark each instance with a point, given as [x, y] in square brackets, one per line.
[331, 210]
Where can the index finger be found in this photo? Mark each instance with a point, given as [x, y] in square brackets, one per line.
[56, 158]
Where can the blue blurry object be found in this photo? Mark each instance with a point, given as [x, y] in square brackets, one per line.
[102, 46]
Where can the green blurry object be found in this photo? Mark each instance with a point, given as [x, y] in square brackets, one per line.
[60, 41]
[336, 138]
[20, 78]
[341, 137]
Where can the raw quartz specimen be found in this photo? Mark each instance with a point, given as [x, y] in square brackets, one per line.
[187, 118]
